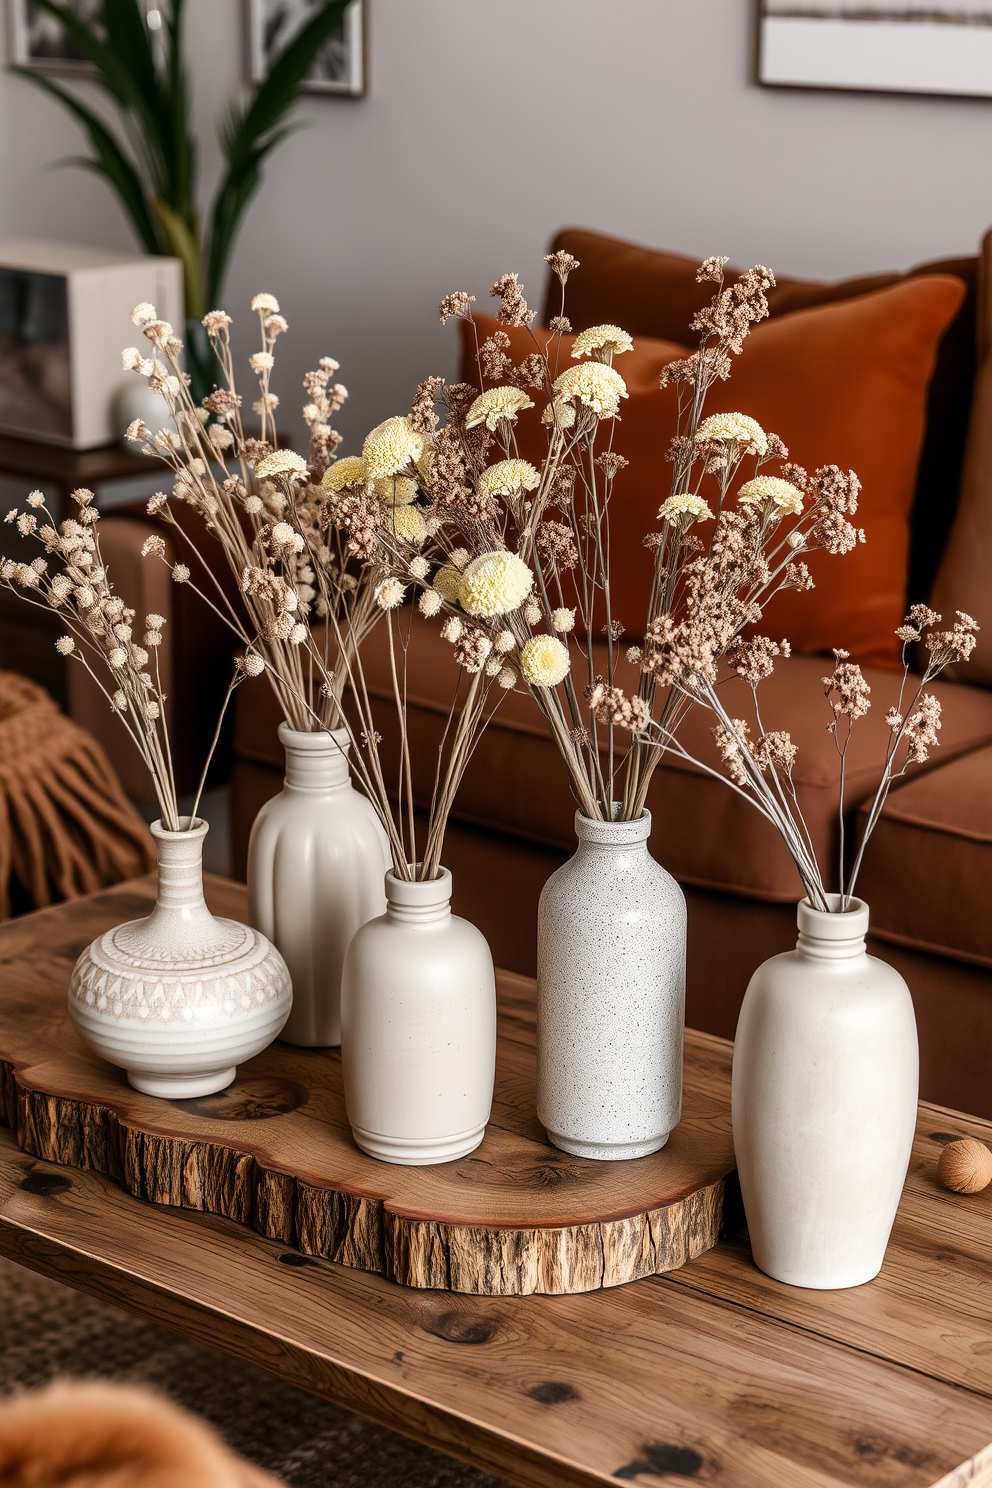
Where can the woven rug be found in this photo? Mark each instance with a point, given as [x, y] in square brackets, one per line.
[50, 1331]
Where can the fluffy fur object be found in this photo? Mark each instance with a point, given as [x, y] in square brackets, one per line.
[112, 1436]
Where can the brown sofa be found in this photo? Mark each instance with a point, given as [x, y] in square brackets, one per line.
[926, 870]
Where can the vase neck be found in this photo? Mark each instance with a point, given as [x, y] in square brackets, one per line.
[835, 936]
[317, 761]
[629, 836]
[418, 902]
[180, 868]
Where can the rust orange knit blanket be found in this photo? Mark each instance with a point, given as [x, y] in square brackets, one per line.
[66, 826]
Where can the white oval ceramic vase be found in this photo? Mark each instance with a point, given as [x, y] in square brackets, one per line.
[610, 995]
[418, 1028]
[316, 859]
[178, 1000]
[825, 1090]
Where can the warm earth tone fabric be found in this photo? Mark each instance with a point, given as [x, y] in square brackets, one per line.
[77, 1433]
[928, 866]
[66, 827]
[964, 580]
[843, 384]
[654, 293]
[703, 832]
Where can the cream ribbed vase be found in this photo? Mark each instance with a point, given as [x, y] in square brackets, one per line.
[610, 995]
[315, 864]
[181, 998]
[825, 1089]
[418, 1028]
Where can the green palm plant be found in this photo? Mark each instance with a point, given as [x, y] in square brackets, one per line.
[150, 160]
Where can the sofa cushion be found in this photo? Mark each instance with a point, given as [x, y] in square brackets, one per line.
[654, 293]
[964, 580]
[844, 384]
[702, 832]
[928, 865]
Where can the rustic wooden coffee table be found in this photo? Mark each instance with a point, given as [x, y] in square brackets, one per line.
[711, 1371]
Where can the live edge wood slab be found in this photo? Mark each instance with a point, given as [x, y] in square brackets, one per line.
[275, 1152]
[711, 1373]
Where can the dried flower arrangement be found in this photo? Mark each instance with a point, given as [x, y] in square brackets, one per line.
[100, 635]
[516, 561]
[322, 549]
[264, 505]
[759, 767]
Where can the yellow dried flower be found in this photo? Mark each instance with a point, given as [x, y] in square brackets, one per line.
[266, 302]
[610, 340]
[348, 471]
[733, 428]
[496, 404]
[509, 478]
[280, 462]
[495, 583]
[390, 446]
[544, 661]
[782, 494]
[406, 523]
[693, 507]
[447, 582]
[396, 490]
[593, 384]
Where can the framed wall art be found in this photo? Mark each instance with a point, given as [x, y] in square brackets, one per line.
[340, 66]
[40, 41]
[941, 47]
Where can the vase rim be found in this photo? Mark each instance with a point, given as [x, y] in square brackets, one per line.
[189, 833]
[418, 892]
[589, 829]
[835, 924]
[315, 741]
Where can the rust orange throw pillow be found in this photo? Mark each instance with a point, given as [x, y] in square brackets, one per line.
[843, 384]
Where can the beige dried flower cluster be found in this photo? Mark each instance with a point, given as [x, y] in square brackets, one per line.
[307, 585]
[72, 579]
[760, 768]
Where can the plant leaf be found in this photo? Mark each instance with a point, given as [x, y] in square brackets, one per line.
[111, 161]
[251, 132]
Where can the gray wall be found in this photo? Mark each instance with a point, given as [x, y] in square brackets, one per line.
[491, 122]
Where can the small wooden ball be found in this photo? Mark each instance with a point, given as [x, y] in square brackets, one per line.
[965, 1166]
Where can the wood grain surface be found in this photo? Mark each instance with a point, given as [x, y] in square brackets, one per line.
[274, 1151]
[711, 1373]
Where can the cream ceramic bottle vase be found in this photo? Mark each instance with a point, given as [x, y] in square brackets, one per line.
[180, 998]
[315, 863]
[610, 995]
[418, 1028]
[825, 1086]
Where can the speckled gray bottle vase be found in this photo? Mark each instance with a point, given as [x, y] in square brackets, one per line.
[610, 996]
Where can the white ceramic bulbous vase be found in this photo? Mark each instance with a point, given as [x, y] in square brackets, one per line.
[316, 859]
[181, 998]
[418, 1028]
[610, 995]
[825, 1089]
